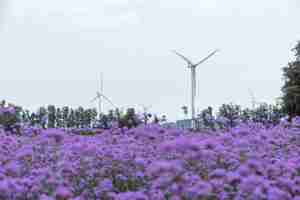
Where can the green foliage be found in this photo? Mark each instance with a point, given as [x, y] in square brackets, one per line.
[207, 117]
[65, 116]
[267, 113]
[246, 114]
[8, 119]
[88, 132]
[130, 119]
[42, 116]
[291, 87]
[59, 118]
[125, 184]
[71, 121]
[231, 112]
[51, 116]
[9, 116]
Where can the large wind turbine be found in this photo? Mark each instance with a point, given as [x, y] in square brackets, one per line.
[193, 67]
[100, 95]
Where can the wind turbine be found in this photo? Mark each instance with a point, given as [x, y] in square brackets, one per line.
[253, 99]
[100, 95]
[193, 67]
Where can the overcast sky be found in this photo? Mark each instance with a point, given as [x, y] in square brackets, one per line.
[53, 51]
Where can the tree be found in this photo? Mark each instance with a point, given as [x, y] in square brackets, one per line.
[261, 113]
[25, 116]
[51, 116]
[130, 119]
[207, 117]
[246, 114]
[291, 87]
[59, 118]
[34, 120]
[79, 117]
[118, 114]
[111, 116]
[8, 117]
[42, 116]
[275, 113]
[2, 103]
[155, 120]
[65, 116]
[94, 115]
[89, 116]
[71, 122]
[230, 112]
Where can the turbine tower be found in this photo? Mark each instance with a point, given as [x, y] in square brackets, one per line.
[99, 96]
[193, 67]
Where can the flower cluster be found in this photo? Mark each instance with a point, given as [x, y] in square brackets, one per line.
[152, 163]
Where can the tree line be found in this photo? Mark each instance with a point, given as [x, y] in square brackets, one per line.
[230, 115]
[67, 117]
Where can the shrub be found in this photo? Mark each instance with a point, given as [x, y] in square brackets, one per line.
[8, 117]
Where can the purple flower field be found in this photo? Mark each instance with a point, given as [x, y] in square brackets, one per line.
[151, 163]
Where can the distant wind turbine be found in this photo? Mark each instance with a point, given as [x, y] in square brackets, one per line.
[193, 67]
[253, 99]
[100, 95]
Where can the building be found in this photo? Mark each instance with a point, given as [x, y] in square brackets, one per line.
[169, 125]
[187, 124]
[184, 124]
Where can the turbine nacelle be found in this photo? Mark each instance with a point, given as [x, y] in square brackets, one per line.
[98, 96]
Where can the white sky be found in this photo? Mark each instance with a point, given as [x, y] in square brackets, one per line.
[53, 51]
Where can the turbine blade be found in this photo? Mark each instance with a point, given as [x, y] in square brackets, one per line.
[207, 57]
[94, 99]
[107, 99]
[183, 57]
